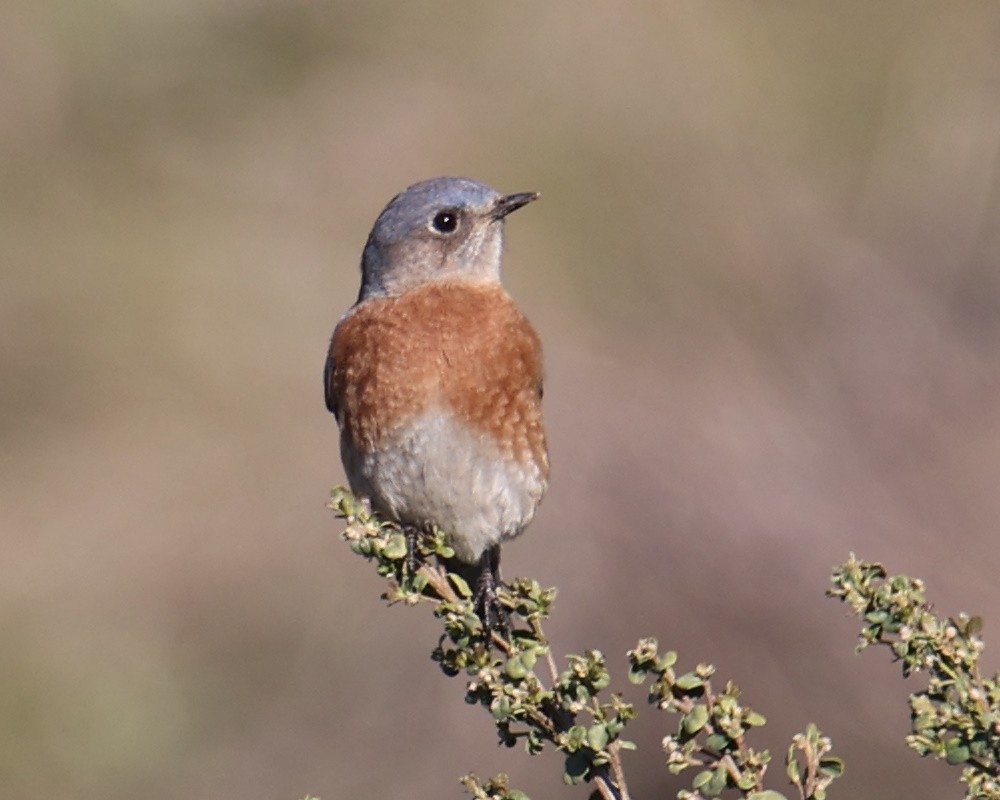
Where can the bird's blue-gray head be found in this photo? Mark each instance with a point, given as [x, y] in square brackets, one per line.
[444, 229]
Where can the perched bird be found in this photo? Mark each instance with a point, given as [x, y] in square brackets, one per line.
[435, 378]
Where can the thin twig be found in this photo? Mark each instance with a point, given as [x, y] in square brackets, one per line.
[553, 670]
[607, 789]
[615, 751]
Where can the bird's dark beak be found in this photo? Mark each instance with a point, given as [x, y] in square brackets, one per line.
[512, 202]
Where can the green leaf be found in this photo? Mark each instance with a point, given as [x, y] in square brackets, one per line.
[701, 779]
[500, 708]
[689, 681]
[666, 661]
[767, 794]
[601, 681]
[515, 668]
[597, 736]
[365, 547]
[792, 768]
[715, 786]
[460, 585]
[636, 675]
[834, 767]
[575, 737]
[695, 719]
[956, 753]
[395, 548]
[746, 781]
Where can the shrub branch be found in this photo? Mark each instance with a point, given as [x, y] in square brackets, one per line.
[571, 709]
[957, 717]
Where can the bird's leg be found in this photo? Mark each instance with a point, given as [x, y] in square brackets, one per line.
[486, 602]
[411, 532]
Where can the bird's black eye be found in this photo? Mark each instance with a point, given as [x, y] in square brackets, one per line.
[445, 221]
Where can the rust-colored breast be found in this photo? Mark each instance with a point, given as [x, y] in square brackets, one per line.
[466, 348]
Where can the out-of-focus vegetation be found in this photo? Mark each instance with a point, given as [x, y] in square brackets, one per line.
[765, 269]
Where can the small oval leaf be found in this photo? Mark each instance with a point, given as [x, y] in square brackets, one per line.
[834, 767]
[689, 681]
[460, 585]
[395, 548]
[695, 719]
[515, 668]
[597, 736]
[636, 676]
[701, 779]
[666, 661]
[957, 754]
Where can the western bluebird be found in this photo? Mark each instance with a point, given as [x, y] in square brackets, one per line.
[435, 378]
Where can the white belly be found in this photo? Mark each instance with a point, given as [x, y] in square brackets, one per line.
[439, 472]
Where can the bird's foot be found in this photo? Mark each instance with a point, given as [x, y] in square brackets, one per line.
[486, 599]
[411, 532]
[488, 607]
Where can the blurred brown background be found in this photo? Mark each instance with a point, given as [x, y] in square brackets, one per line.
[765, 268]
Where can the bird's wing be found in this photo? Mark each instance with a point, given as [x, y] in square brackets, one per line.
[328, 391]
